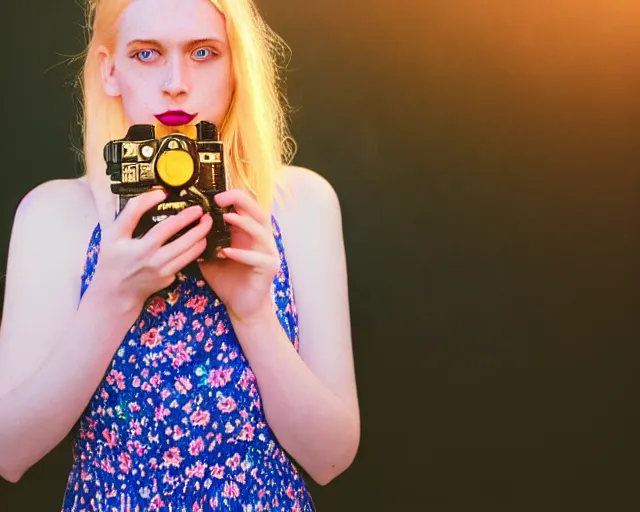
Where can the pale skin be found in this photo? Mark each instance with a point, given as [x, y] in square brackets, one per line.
[48, 375]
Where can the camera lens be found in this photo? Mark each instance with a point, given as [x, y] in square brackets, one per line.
[175, 168]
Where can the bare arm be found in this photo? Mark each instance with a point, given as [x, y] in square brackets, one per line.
[45, 384]
[310, 399]
[54, 350]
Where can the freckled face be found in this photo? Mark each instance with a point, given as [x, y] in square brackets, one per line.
[171, 56]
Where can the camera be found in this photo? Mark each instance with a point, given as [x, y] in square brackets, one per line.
[190, 167]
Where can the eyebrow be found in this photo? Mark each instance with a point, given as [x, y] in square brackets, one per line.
[189, 44]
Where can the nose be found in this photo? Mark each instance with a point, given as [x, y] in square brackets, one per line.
[177, 79]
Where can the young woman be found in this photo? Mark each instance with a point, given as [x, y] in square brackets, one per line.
[183, 392]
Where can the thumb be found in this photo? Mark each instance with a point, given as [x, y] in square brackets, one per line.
[135, 208]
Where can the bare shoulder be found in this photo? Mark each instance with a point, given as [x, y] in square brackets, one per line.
[307, 196]
[53, 213]
[54, 200]
[54, 219]
[58, 216]
[308, 185]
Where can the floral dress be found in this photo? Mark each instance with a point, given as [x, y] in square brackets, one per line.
[177, 423]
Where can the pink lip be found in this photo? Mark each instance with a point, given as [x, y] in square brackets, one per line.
[175, 118]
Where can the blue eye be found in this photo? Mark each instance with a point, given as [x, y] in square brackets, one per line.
[145, 55]
[202, 53]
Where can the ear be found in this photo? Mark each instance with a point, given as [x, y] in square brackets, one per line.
[107, 71]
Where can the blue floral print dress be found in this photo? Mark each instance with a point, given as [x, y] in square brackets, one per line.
[177, 423]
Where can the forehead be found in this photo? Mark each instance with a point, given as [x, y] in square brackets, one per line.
[171, 20]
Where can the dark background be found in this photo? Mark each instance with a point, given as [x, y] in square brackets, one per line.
[486, 153]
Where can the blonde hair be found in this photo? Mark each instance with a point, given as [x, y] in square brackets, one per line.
[255, 132]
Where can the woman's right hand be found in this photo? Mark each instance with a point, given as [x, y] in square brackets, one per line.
[135, 268]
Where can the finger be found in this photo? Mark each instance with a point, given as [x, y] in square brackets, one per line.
[177, 264]
[135, 208]
[184, 242]
[159, 234]
[243, 202]
[268, 262]
[250, 226]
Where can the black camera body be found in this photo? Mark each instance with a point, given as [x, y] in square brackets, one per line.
[190, 169]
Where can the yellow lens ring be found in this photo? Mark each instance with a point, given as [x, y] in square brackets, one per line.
[175, 167]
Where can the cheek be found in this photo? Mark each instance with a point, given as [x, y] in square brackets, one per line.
[215, 91]
[137, 96]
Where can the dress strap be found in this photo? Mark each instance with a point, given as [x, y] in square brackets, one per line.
[91, 259]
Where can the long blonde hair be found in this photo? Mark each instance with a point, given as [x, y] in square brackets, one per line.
[255, 133]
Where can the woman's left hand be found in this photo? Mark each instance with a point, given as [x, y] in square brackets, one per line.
[242, 278]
